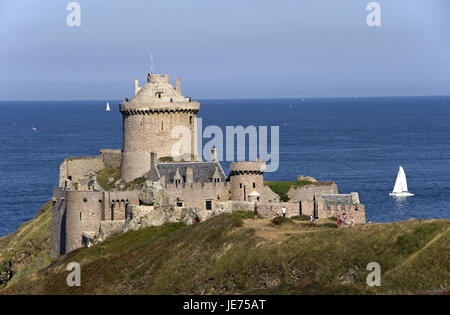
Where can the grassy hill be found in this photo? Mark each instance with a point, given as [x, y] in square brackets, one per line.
[231, 254]
[26, 250]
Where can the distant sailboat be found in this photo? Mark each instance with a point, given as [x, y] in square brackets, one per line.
[401, 187]
[107, 107]
[34, 128]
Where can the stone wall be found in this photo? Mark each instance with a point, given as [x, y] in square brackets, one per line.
[110, 228]
[268, 195]
[83, 214]
[77, 171]
[246, 177]
[57, 225]
[195, 195]
[307, 192]
[151, 132]
[265, 209]
[324, 210]
[111, 158]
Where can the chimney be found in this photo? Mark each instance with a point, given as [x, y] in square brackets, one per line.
[189, 175]
[213, 155]
[153, 157]
[136, 86]
[178, 85]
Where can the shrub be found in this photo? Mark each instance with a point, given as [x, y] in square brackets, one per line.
[281, 220]
[244, 214]
[302, 217]
[85, 199]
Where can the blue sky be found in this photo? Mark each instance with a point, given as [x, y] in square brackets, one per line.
[225, 48]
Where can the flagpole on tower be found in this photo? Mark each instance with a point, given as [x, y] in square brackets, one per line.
[152, 66]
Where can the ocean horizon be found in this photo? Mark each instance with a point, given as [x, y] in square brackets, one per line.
[357, 142]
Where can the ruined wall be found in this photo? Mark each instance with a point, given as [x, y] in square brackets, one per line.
[265, 209]
[77, 169]
[307, 192]
[325, 210]
[111, 158]
[268, 195]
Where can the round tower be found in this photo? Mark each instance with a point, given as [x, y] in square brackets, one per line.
[246, 178]
[148, 121]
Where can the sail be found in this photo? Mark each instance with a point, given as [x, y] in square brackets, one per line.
[107, 106]
[400, 182]
[403, 178]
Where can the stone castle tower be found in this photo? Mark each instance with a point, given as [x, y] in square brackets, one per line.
[245, 178]
[148, 120]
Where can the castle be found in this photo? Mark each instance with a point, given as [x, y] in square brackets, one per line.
[83, 209]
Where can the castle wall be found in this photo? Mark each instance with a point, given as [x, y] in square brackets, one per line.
[76, 170]
[307, 192]
[268, 195]
[134, 165]
[144, 133]
[246, 177]
[78, 212]
[265, 209]
[57, 228]
[118, 202]
[325, 210]
[111, 158]
[194, 195]
[83, 214]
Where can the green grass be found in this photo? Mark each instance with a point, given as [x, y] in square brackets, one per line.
[104, 174]
[135, 184]
[282, 188]
[114, 172]
[32, 242]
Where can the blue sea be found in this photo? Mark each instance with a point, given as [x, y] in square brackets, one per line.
[357, 142]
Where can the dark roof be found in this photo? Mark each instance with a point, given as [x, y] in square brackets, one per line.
[341, 199]
[203, 171]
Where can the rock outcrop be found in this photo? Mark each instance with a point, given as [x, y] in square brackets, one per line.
[153, 195]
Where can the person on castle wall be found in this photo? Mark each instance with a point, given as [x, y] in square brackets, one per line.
[345, 219]
[283, 211]
[171, 100]
[353, 221]
[312, 219]
[126, 99]
[196, 219]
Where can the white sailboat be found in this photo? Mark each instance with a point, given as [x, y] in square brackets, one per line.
[401, 186]
[107, 107]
